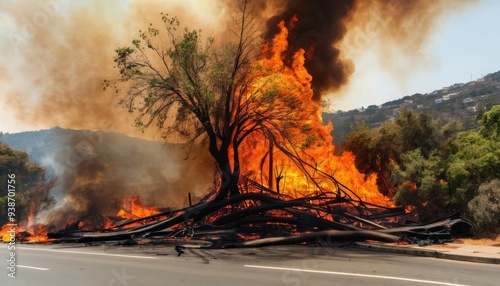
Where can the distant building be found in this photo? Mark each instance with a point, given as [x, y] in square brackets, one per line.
[437, 101]
[445, 89]
[448, 96]
[471, 109]
[468, 100]
[420, 106]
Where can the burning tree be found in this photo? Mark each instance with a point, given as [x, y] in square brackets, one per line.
[223, 95]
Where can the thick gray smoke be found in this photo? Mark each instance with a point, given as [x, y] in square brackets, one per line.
[98, 169]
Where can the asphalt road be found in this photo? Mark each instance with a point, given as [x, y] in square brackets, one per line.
[291, 265]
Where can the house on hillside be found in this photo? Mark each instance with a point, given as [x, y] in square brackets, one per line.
[472, 109]
[448, 96]
[467, 100]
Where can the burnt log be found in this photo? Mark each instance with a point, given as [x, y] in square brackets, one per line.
[328, 235]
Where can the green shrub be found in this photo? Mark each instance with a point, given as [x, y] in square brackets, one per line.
[485, 207]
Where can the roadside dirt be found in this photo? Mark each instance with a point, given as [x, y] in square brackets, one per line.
[489, 239]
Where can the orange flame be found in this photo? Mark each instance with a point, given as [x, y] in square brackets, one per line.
[38, 233]
[312, 138]
[25, 231]
[7, 231]
[132, 208]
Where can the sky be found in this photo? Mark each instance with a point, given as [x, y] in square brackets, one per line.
[462, 47]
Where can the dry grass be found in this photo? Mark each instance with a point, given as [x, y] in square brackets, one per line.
[490, 239]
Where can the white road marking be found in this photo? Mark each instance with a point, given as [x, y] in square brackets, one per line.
[31, 267]
[91, 253]
[355, 274]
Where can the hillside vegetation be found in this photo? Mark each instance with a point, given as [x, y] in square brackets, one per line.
[434, 168]
[462, 102]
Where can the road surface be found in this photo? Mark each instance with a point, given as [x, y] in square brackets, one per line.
[287, 265]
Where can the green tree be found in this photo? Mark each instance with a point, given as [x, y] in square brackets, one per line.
[450, 177]
[377, 149]
[421, 184]
[416, 130]
[474, 160]
[30, 182]
[485, 207]
[374, 150]
[490, 121]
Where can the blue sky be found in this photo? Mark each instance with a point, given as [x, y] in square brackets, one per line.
[462, 47]
[465, 45]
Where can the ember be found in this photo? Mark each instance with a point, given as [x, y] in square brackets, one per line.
[133, 209]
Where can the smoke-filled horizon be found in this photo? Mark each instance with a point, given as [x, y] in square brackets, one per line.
[95, 170]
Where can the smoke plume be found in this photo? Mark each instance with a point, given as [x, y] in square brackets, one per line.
[97, 169]
[331, 31]
[319, 28]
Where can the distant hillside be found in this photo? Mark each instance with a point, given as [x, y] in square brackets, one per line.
[108, 166]
[44, 143]
[36, 143]
[58, 149]
[460, 101]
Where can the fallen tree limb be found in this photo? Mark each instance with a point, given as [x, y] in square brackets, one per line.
[329, 235]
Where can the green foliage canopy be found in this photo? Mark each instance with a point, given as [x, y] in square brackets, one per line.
[30, 181]
[379, 150]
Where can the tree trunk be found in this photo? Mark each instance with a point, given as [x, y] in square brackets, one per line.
[229, 176]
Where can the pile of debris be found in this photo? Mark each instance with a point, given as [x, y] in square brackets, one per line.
[262, 217]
